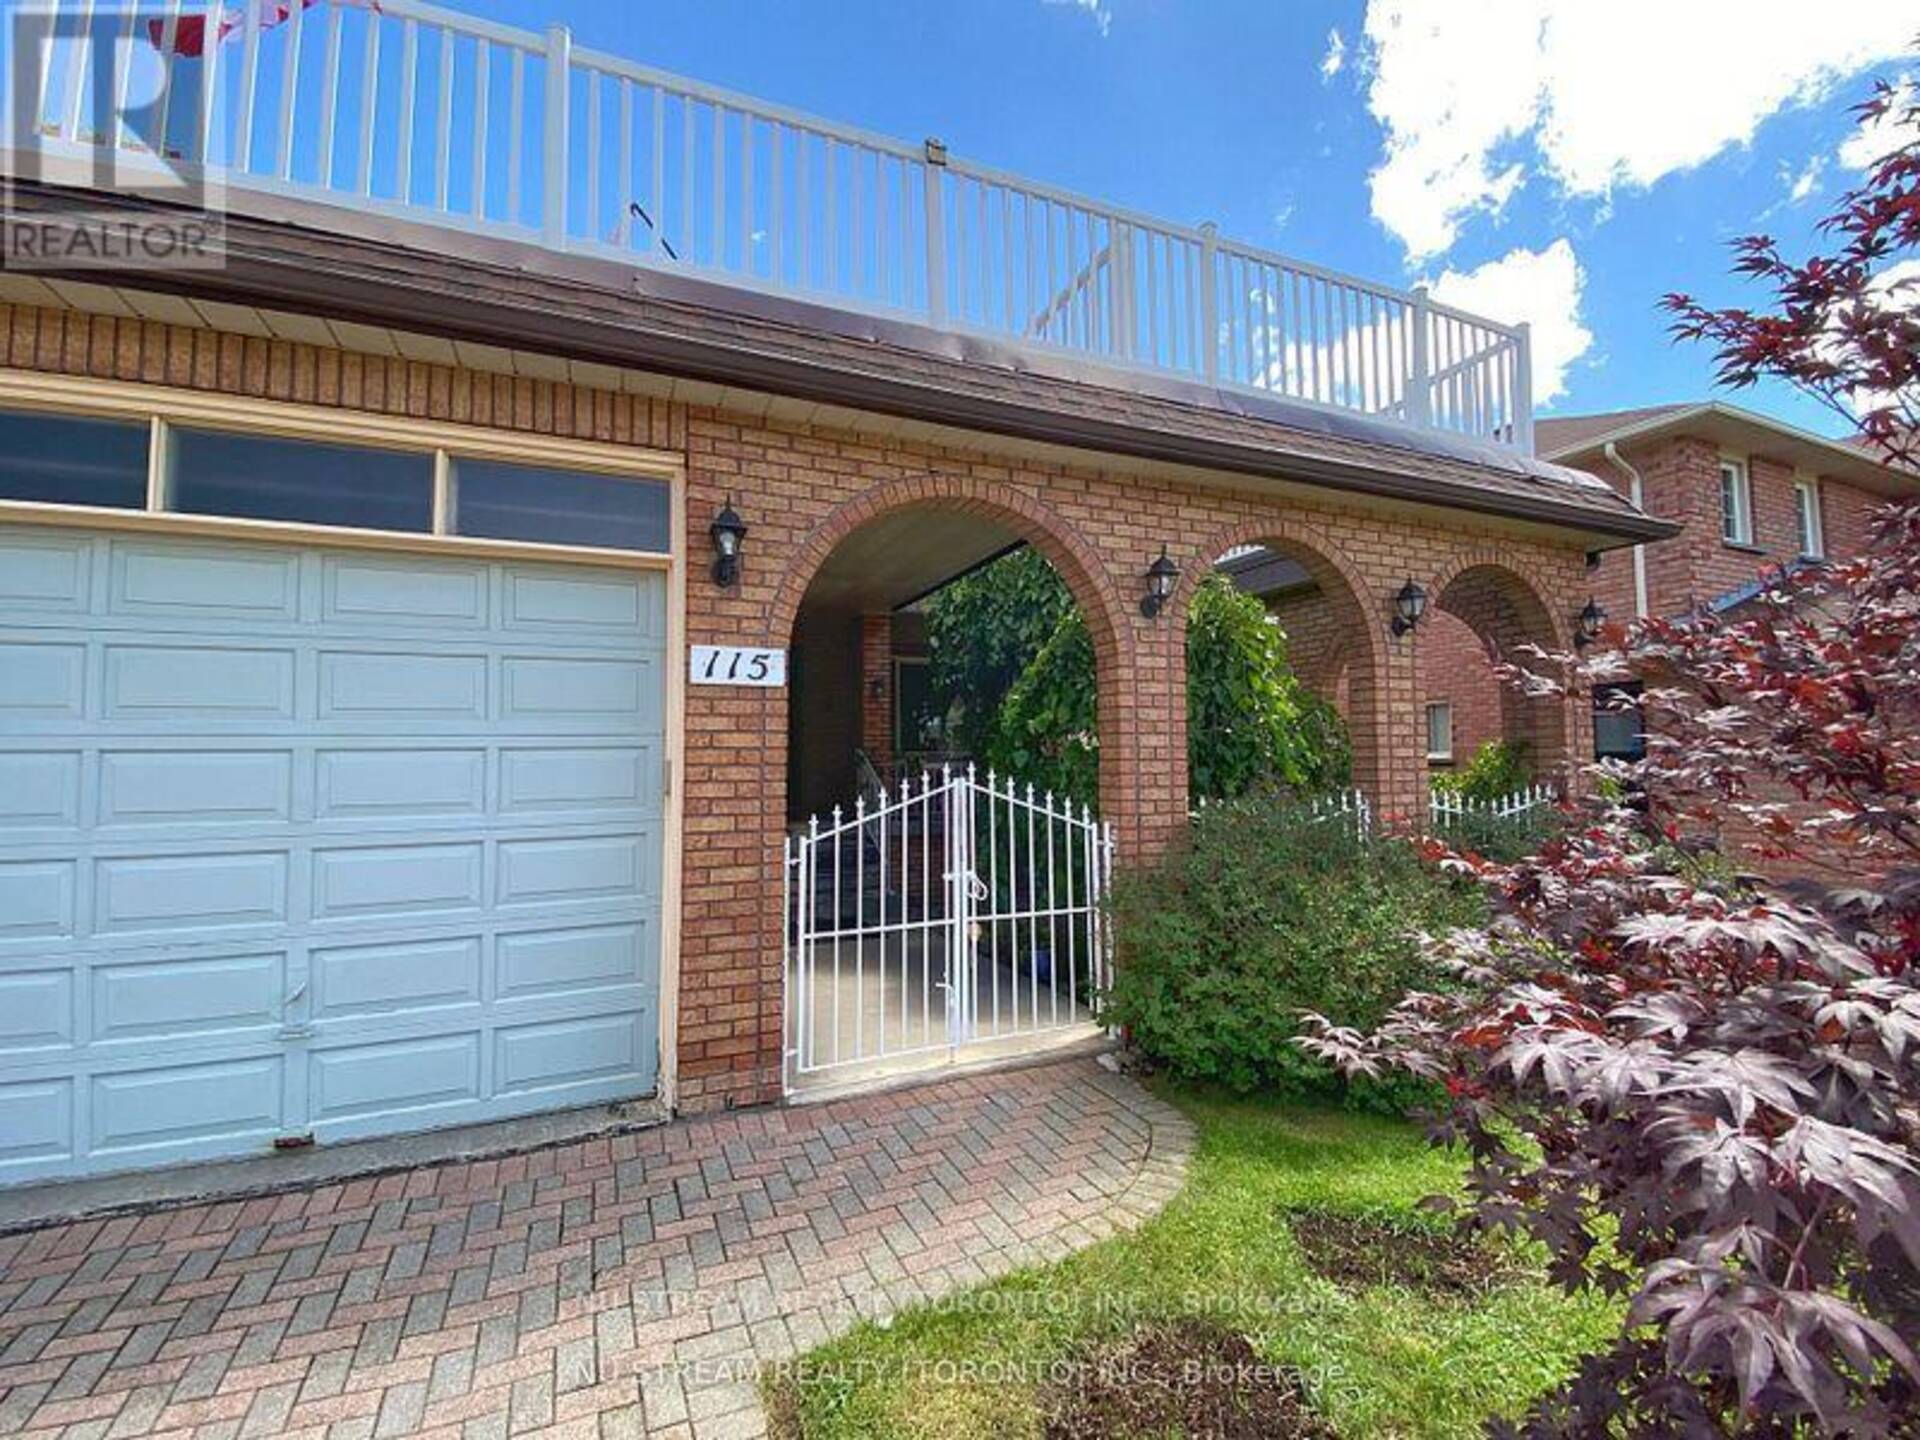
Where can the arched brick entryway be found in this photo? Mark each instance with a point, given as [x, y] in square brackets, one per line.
[1093, 591]
[1500, 607]
[1338, 644]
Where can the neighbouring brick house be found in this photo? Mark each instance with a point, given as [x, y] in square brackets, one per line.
[1748, 494]
[394, 615]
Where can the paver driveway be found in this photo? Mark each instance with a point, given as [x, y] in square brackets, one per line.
[620, 1286]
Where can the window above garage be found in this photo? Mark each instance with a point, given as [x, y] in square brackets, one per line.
[163, 466]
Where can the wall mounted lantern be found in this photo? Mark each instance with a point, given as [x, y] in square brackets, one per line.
[1161, 577]
[1588, 624]
[1408, 606]
[728, 531]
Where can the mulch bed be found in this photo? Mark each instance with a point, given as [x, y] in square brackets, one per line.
[1189, 1379]
[1359, 1252]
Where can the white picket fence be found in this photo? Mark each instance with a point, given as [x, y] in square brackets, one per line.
[1444, 809]
[1353, 808]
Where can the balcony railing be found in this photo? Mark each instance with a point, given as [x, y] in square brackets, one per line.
[405, 108]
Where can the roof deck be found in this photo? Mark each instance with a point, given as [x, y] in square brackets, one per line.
[412, 112]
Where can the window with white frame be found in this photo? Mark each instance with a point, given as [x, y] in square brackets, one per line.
[1439, 730]
[1806, 519]
[153, 465]
[1736, 503]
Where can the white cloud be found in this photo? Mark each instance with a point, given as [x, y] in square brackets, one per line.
[1887, 132]
[1336, 56]
[1608, 94]
[1541, 287]
[1802, 185]
[1095, 10]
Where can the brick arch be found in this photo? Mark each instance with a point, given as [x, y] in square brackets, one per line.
[1360, 651]
[1054, 537]
[1504, 600]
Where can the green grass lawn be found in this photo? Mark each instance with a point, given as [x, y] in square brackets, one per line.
[1379, 1360]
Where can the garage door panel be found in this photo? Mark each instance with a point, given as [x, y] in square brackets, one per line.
[572, 869]
[295, 840]
[160, 582]
[36, 1125]
[534, 963]
[44, 572]
[187, 1106]
[579, 602]
[394, 1076]
[406, 594]
[162, 787]
[198, 685]
[579, 778]
[396, 880]
[369, 685]
[393, 784]
[42, 680]
[39, 789]
[137, 998]
[140, 894]
[559, 1054]
[37, 1009]
[355, 981]
[37, 901]
[580, 691]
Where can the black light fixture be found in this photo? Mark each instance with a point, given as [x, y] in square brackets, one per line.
[1408, 606]
[1587, 625]
[1161, 576]
[728, 531]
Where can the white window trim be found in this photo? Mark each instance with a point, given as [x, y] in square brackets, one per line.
[1433, 754]
[1741, 517]
[1806, 508]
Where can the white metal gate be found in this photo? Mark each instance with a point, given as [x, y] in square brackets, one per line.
[955, 918]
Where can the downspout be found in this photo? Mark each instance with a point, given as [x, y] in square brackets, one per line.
[1636, 492]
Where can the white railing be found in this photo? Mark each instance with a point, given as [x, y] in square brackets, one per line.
[403, 107]
[1445, 808]
[952, 915]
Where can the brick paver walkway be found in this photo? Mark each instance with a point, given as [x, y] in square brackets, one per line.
[613, 1287]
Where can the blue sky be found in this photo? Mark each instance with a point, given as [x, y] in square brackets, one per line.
[1641, 165]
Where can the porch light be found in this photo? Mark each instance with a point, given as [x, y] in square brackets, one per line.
[1408, 606]
[728, 531]
[1161, 577]
[1587, 625]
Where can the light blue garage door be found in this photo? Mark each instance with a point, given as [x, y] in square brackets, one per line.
[298, 840]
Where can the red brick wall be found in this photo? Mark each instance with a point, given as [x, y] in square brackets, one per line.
[1681, 478]
[876, 689]
[1455, 668]
[801, 489]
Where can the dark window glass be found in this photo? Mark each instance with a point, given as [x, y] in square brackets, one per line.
[559, 507]
[1618, 734]
[916, 718]
[264, 477]
[62, 460]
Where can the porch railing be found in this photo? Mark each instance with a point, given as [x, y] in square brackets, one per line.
[401, 107]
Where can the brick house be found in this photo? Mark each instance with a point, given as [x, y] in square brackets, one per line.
[395, 615]
[1747, 494]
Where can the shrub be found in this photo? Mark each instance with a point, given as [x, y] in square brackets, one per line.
[1264, 912]
[1721, 1083]
[1498, 768]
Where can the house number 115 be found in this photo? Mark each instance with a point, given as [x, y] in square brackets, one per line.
[738, 665]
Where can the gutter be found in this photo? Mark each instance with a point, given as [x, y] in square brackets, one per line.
[1636, 493]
